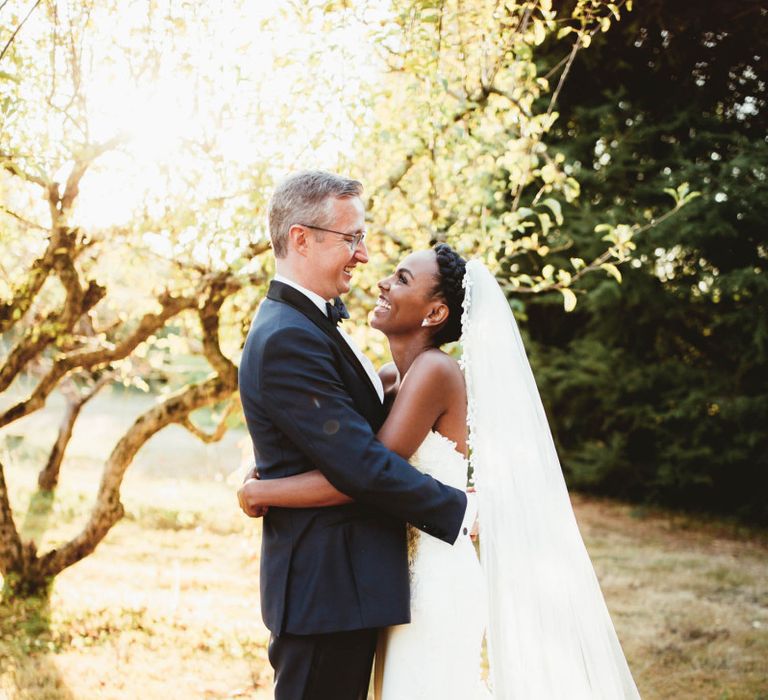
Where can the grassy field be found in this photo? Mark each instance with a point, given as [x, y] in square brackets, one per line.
[167, 607]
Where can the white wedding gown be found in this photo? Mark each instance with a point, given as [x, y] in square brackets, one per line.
[550, 635]
[438, 655]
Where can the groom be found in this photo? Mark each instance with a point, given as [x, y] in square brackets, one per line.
[330, 577]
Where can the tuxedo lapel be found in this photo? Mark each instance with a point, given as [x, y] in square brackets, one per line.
[286, 294]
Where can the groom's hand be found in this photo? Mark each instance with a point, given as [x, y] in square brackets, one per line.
[246, 501]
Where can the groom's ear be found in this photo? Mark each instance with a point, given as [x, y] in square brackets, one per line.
[298, 239]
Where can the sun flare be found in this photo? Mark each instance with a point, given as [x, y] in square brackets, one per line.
[215, 96]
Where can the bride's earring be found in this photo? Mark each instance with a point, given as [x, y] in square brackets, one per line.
[425, 322]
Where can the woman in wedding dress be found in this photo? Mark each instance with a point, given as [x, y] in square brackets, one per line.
[536, 597]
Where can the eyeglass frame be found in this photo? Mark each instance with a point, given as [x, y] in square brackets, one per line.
[353, 239]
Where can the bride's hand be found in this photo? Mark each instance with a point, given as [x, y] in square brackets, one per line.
[247, 497]
[475, 531]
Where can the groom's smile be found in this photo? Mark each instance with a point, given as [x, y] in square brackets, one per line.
[333, 259]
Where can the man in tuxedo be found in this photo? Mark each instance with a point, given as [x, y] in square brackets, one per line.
[330, 577]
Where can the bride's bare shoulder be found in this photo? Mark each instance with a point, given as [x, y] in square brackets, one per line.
[436, 365]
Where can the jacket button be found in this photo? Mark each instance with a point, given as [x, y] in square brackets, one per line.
[465, 531]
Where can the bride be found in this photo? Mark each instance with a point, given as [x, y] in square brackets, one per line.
[536, 598]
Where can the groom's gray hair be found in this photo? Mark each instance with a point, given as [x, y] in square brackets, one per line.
[305, 198]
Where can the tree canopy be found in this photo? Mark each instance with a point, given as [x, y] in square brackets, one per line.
[658, 390]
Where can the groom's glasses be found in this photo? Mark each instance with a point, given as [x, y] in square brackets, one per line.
[353, 239]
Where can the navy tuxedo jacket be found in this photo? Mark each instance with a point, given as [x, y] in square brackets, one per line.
[309, 404]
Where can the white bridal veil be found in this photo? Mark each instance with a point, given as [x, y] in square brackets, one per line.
[550, 636]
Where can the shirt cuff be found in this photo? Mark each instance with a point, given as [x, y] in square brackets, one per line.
[470, 515]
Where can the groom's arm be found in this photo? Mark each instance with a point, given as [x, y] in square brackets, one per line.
[305, 397]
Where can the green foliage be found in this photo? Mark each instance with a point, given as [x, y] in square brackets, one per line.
[459, 148]
[660, 392]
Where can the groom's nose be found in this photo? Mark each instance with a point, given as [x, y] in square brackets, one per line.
[361, 253]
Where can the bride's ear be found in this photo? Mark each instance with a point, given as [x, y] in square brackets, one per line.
[437, 315]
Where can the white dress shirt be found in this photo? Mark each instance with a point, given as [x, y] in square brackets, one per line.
[470, 515]
[319, 302]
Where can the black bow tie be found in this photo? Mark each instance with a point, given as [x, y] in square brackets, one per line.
[337, 311]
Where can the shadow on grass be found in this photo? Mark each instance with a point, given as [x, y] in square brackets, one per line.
[38, 515]
[27, 651]
[28, 643]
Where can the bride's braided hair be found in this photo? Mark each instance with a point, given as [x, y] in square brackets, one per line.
[449, 286]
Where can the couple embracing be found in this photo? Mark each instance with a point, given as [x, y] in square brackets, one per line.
[362, 481]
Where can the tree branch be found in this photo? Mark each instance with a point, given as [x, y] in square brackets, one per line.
[92, 359]
[219, 290]
[108, 509]
[78, 301]
[62, 203]
[18, 29]
[12, 167]
[221, 426]
[21, 219]
[13, 310]
[82, 163]
[569, 62]
[48, 477]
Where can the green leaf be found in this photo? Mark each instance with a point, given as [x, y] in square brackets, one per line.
[689, 197]
[555, 208]
[577, 263]
[672, 193]
[612, 270]
[546, 223]
[569, 299]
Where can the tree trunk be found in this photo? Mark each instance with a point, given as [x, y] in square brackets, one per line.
[48, 478]
[18, 561]
[10, 542]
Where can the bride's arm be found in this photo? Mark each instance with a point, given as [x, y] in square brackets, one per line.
[307, 490]
[432, 384]
[421, 399]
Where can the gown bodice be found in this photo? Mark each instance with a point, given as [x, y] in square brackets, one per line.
[437, 456]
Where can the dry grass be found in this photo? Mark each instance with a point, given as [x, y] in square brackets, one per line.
[689, 600]
[167, 607]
